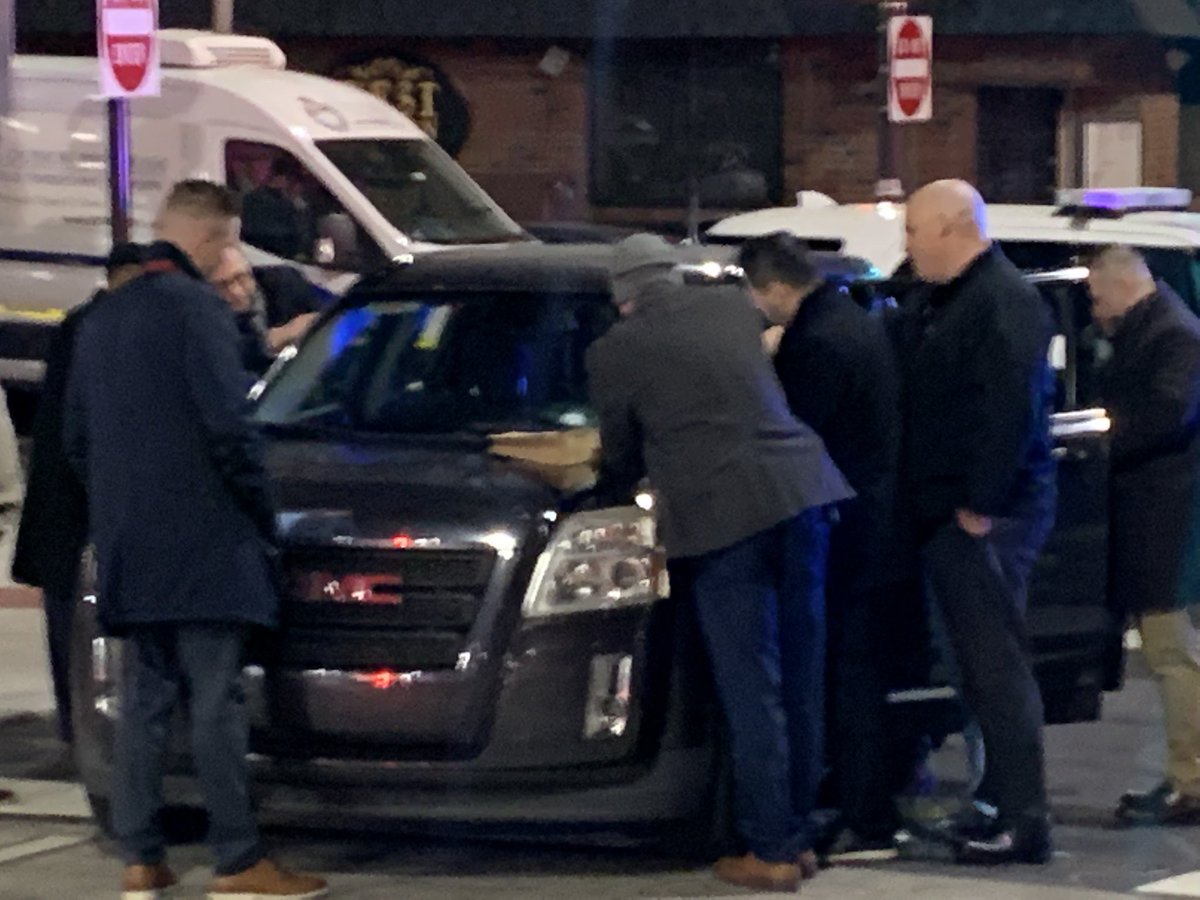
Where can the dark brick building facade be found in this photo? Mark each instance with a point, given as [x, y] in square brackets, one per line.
[614, 109]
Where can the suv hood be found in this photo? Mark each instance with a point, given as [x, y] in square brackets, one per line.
[368, 493]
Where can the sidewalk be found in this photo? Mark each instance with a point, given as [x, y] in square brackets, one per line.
[24, 671]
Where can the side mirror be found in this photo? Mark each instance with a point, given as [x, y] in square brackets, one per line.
[337, 241]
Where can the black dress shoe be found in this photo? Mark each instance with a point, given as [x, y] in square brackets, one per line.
[850, 846]
[1028, 843]
[1162, 806]
[975, 820]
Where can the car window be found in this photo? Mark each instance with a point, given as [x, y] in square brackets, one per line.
[288, 212]
[1174, 265]
[445, 364]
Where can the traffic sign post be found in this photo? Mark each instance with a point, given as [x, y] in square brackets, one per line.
[888, 186]
[910, 69]
[127, 48]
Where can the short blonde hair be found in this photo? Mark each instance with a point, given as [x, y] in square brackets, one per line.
[202, 199]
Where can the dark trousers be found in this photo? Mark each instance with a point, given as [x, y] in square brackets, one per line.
[161, 662]
[761, 609]
[981, 587]
[60, 615]
[873, 757]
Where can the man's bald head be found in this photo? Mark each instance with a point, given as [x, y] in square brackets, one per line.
[946, 226]
[1118, 279]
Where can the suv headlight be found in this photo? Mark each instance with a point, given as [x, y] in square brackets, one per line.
[598, 560]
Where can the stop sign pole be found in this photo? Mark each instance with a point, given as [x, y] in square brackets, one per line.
[127, 48]
[889, 185]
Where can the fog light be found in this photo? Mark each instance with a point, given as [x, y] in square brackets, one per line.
[609, 694]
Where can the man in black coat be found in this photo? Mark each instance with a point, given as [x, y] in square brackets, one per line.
[838, 369]
[978, 393]
[53, 526]
[274, 306]
[183, 525]
[686, 395]
[1151, 388]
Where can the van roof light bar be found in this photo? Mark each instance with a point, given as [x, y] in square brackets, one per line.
[1114, 202]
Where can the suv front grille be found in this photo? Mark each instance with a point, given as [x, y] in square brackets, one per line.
[390, 609]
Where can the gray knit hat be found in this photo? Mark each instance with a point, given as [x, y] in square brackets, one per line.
[640, 252]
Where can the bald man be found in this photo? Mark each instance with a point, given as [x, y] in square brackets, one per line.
[1152, 391]
[978, 398]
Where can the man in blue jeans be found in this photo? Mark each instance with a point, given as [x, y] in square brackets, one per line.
[686, 396]
[182, 524]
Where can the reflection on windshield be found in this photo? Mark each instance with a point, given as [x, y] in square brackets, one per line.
[422, 191]
[480, 364]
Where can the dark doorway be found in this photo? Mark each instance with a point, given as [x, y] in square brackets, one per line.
[1018, 144]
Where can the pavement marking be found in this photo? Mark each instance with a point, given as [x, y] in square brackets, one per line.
[1180, 886]
[38, 846]
[45, 799]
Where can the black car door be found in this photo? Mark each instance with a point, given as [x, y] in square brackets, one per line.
[1076, 637]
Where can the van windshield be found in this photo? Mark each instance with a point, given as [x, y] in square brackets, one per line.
[422, 191]
[475, 363]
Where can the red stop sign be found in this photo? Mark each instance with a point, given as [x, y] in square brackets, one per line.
[127, 34]
[912, 66]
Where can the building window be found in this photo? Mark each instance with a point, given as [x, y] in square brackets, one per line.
[649, 135]
[1018, 144]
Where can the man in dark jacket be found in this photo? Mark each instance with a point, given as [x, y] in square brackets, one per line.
[838, 369]
[978, 393]
[53, 526]
[274, 306]
[1152, 392]
[182, 523]
[686, 395]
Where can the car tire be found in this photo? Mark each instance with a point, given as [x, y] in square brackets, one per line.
[713, 832]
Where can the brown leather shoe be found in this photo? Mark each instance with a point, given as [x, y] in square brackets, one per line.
[146, 882]
[751, 872]
[263, 881]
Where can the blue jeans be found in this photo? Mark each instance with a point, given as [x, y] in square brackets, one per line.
[160, 661]
[761, 606]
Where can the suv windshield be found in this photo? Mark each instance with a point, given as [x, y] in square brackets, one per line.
[421, 191]
[480, 364]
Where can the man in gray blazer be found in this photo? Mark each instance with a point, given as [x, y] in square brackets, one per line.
[686, 395]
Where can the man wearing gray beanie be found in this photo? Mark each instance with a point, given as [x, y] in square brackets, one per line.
[686, 396]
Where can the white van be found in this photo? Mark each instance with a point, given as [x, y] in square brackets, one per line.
[358, 182]
[1035, 237]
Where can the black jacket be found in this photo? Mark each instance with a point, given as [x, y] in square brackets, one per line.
[54, 520]
[686, 395]
[979, 393]
[839, 371]
[156, 425]
[1152, 392]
